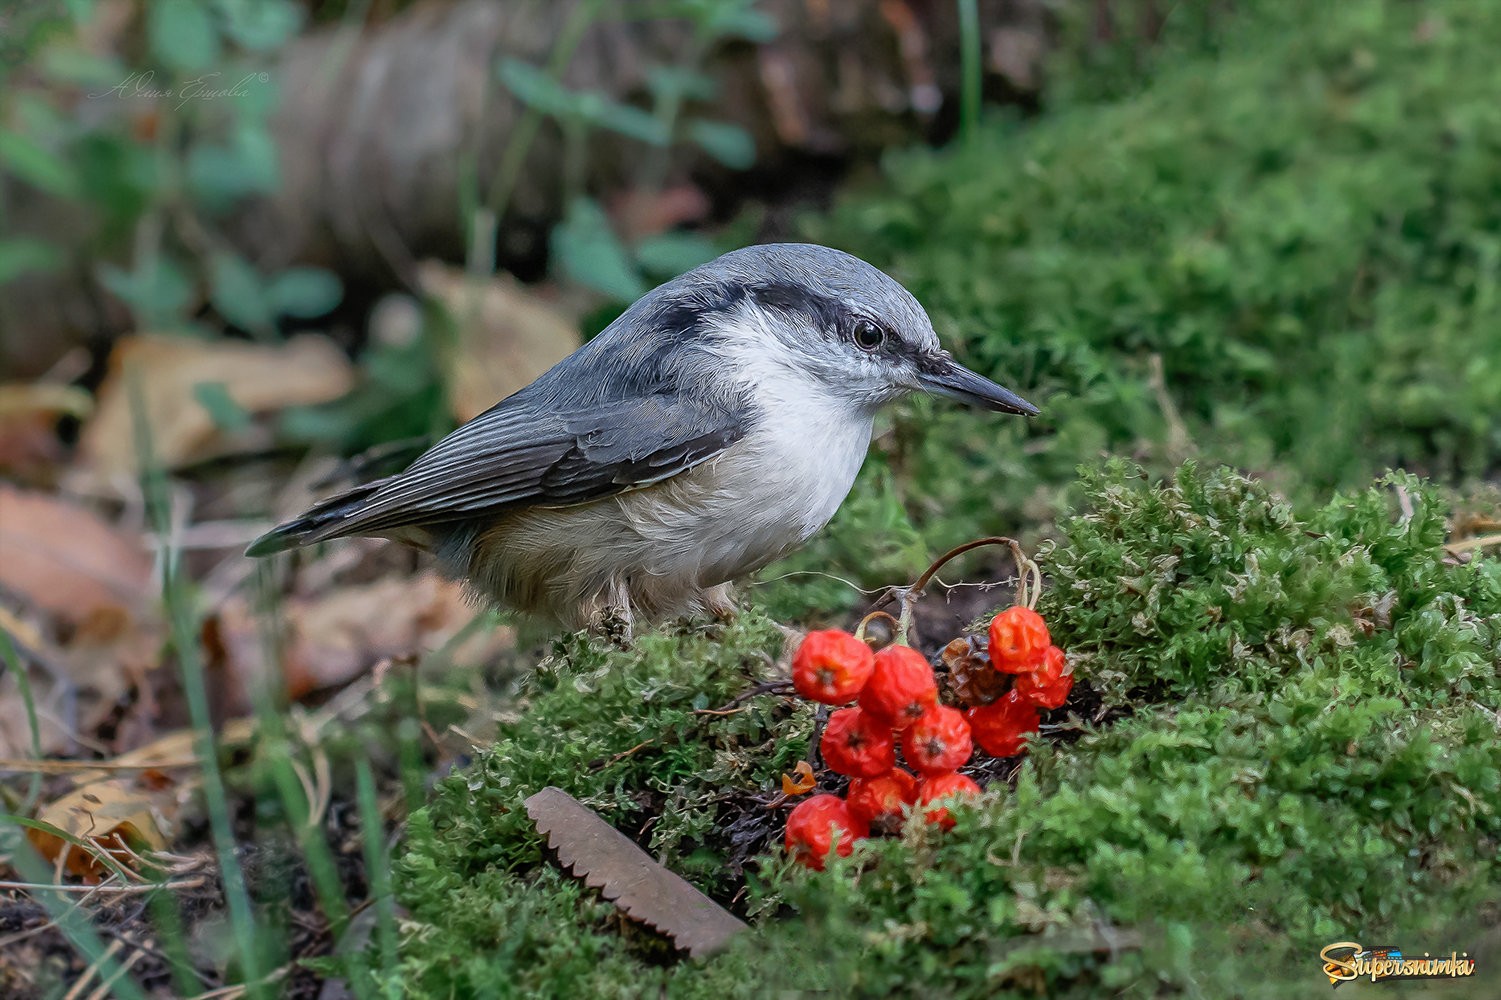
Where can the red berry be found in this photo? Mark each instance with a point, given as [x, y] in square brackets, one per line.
[1000, 727]
[881, 798]
[901, 688]
[938, 741]
[831, 666]
[1047, 686]
[944, 786]
[858, 744]
[815, 826]
[1018, 640]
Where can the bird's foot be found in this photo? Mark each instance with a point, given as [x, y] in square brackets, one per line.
[719, 601]
[614, 623]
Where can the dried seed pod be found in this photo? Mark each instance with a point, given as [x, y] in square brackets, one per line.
[973, 679]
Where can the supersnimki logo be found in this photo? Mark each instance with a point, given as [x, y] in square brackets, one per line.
[1345, 961]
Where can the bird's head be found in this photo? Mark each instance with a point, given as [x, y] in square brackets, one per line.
[845, 326]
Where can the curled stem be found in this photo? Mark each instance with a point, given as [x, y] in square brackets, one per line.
[1028, 590]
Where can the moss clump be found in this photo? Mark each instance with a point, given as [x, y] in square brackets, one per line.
[1320, 762]
[1211, 585]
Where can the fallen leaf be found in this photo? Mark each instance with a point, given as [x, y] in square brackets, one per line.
[63, 558]
[329, 640]
[176, 373]
[974, 679]
[505, 336]
[803, 781]
[89, 586]
[641, 212]
[118, 815]
[29, 445]
[130, 803]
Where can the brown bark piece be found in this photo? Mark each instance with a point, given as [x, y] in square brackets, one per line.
[609, 861]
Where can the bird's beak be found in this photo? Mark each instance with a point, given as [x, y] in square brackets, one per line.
[949, 378]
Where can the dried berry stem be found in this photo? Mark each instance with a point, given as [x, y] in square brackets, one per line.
[896, 626]
[1029, 581]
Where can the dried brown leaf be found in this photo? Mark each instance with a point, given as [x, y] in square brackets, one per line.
[801, 781]
[114, 813]
[258, 378]
[64, 559]
[332, 639]
[973, 678]
[506, 336]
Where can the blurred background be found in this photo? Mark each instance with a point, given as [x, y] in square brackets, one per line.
[253, 249]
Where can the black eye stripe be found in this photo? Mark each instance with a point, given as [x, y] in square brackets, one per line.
[830, 315]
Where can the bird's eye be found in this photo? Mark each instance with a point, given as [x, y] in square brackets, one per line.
[868, 336]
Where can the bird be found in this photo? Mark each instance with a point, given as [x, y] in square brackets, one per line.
[711, 429]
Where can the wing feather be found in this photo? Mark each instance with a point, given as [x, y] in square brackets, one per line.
[514, 455]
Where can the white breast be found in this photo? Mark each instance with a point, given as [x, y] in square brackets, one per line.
[772, 489]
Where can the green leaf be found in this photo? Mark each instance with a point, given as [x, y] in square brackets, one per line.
[220, 175]
[304, 292]
[585, 248]
[226, 414]
[681, 82]
[729, 144]
[668, 255]
[157, 292]
[260, 25]
[74, 66]
[236, 291]
[23, 255]
[37, 165]
[731, 20]
[181, 35]
[539, 90]
[624, 119]
[536, 88]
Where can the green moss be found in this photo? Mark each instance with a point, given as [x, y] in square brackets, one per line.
[1318, 762]
[1298, 217]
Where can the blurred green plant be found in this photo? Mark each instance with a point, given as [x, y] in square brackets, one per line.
[584, 246]
[152, 151]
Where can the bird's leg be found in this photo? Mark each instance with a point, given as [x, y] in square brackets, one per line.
[719, 601]
[614, 620]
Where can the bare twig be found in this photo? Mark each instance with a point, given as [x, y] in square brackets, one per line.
[769, 687]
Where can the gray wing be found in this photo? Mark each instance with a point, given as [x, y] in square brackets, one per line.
[514, 455]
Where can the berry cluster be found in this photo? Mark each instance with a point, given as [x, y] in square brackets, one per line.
[897, 702]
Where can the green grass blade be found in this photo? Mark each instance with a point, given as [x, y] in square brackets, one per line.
[12, 661]
[378, 870]
[184, 639]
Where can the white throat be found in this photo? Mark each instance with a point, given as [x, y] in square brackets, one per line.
[808, 442]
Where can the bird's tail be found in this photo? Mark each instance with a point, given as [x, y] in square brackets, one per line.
[314, 524]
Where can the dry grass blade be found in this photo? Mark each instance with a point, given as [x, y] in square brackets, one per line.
[1473, 543]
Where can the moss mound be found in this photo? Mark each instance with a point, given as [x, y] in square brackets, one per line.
[1316, 758]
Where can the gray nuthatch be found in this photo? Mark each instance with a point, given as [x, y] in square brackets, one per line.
[711, 429]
